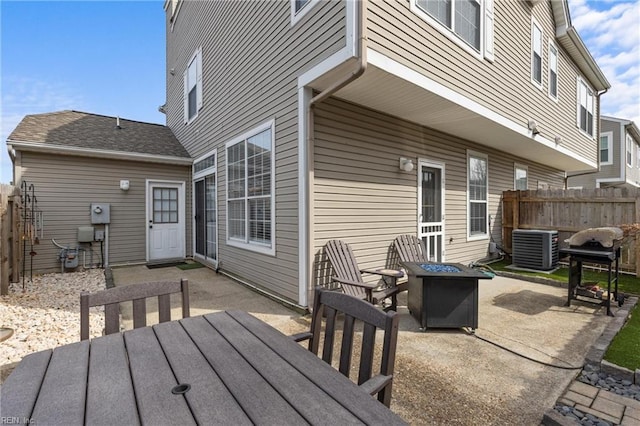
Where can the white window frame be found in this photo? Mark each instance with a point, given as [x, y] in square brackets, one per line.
[516, 168]
[589, 97]
[552, 68]
[486, 48]
[269, 249]
[629, 154]
[297, 15]
[484, 157]
[637, 156]
[609, 138]
[536, 26]
[196, 62]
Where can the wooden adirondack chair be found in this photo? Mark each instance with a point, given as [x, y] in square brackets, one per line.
[349, 276]
[410, 249]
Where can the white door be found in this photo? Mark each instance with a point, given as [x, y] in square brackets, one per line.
[165, 220]
[431, 208]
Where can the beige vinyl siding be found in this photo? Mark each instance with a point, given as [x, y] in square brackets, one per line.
[249, 77]
[504, 85]
[361, 196]
[65, 187]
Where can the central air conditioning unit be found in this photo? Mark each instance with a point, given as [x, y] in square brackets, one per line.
[535, 249]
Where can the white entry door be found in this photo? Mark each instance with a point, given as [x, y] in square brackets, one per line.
[165, 220]
[431, 208]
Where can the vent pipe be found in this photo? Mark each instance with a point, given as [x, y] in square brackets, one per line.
[118, 123]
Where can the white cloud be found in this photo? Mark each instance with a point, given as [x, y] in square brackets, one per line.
[23, 96]
[611, 31]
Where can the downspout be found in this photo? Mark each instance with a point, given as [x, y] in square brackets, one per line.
[361, 54]
[597, 170]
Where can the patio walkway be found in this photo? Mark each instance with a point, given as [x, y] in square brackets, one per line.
[449, 376]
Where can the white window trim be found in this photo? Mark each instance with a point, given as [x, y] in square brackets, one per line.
[553, 46]
[471, 153]
[535, 24]
[629, 151]
[517, 166]
[297, 16]
[197, 56]
[609, 136]
[581, 81]
[247, 245]
[448, 32]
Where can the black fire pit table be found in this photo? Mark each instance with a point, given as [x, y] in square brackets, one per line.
[443, 295]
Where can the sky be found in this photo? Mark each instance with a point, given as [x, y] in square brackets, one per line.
[108, 57]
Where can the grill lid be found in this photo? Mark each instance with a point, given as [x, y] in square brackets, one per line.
[605, 237]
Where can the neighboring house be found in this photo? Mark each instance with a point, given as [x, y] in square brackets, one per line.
[75, 160]
[619, 163]
[312, 120]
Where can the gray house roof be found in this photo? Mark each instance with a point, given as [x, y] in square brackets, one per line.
[81, 133]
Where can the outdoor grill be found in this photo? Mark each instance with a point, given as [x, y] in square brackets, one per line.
[599, 246]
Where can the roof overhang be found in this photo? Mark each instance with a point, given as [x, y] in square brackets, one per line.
[569, 39]
[390, 87]
[13, 145]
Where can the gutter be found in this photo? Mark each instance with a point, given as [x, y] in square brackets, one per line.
[12, 146]
[361, 54]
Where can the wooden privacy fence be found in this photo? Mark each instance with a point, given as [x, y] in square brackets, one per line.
[570, 211]
[9, 236]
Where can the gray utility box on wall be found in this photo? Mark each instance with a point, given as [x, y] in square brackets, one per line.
[85, 234]
[535, 249]
[100, 213]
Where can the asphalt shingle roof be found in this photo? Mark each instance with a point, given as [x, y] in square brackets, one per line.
[91, 131]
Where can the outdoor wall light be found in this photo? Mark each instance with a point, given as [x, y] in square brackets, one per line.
[533, 126]
[406, 164]
[124, 185]
[558, 140]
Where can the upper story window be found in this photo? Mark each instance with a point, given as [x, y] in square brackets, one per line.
[299, 4]
[536, 53]
[638, 156]
[463, 21]
[478, 194]
[629, 151]
[300, 8]
[250, 190]
[585, 107]
[605, 148]
[520, 181]
[193, 87]
[553, 71]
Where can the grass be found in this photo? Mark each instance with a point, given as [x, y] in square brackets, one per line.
[625, 347]
[627, 284]
[624, 350]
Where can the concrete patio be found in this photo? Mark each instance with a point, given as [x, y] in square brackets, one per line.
[504, 374]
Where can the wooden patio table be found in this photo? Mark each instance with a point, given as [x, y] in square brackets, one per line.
[221, 368]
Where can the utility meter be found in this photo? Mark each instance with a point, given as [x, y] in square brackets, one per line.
[100, 213]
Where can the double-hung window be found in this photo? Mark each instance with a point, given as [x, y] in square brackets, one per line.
[250, 190]
[629, 151]
[193, 87]
[477, 190]
[553, 71]
[467, 22]
[536, 53]
[520, 177]
[605, 148]
[585, 107]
